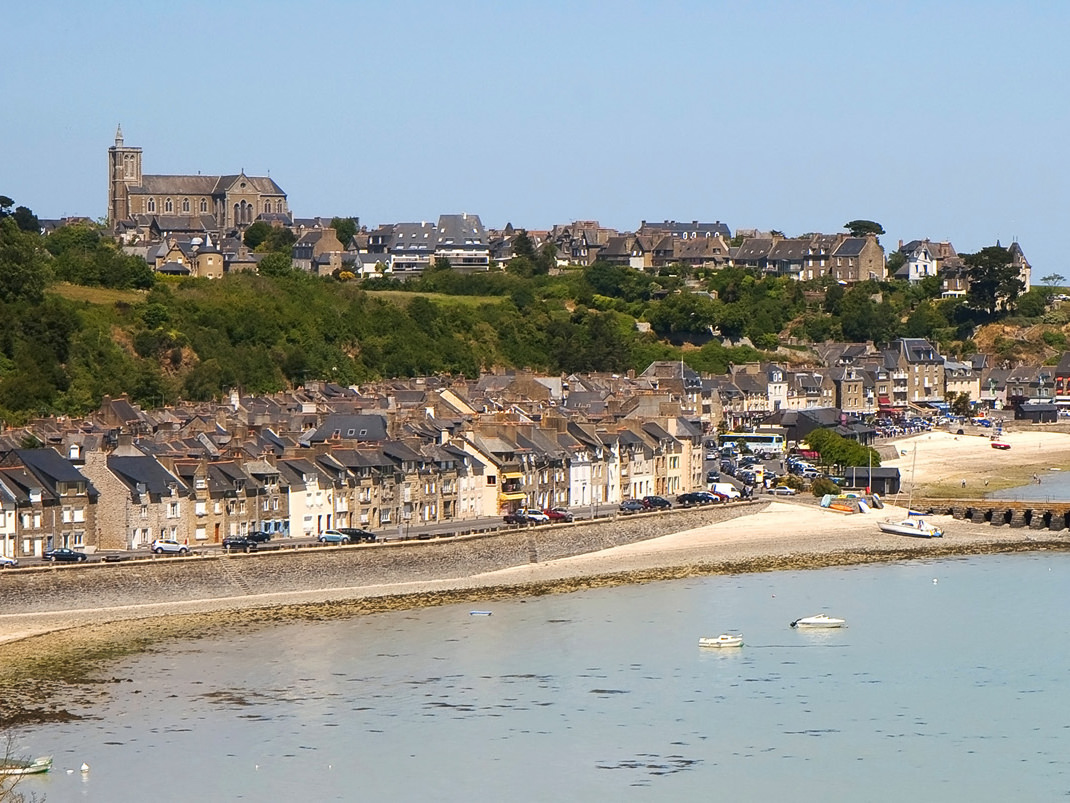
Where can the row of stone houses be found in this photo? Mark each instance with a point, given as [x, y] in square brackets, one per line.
[97, 487]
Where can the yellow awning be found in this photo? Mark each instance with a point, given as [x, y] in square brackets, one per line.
[513, 497]
[512, 475]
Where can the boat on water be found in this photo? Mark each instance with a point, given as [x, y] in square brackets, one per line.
[819, 620]
[723, 640]
[12, 766]
[912, 526]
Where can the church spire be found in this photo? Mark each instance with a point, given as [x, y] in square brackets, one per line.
[119, 136]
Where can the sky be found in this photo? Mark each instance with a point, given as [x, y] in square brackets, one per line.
[944, 120]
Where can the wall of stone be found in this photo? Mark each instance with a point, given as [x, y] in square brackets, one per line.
[173, 579]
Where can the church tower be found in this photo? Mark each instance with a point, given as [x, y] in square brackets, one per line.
[124, 171]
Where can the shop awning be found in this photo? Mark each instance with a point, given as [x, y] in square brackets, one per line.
[512, 475]
[513, 497]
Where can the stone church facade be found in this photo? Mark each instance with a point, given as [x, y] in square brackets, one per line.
[208, 203]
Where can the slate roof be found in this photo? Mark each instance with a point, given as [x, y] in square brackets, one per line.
[146, 471]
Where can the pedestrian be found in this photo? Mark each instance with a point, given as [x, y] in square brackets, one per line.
[964, 483]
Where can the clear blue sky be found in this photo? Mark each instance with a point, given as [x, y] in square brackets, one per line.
[941, 120]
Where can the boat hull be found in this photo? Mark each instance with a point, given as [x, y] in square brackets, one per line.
[910, 530]
[721, 641]
[818, 622]
[43, 764]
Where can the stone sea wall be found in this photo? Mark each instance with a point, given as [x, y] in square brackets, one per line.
[214, 575]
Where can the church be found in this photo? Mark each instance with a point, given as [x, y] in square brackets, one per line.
[153, 206]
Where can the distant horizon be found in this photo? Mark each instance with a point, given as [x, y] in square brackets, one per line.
[936, 120]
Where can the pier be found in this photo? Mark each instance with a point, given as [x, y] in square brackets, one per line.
[1039, 515]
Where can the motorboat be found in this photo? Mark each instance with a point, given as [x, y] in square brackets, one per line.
[723, 640]
[12, 766]
[912, 526]
[819, 620]
[1000, 445]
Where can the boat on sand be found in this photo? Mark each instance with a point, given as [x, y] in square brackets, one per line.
[912, 526]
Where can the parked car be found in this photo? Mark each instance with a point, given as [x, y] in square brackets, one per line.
[8, 563]
[260, 536]
[558, 514]
[631, 506]
[356, 535]
[656, 502]
[169, 546]
[65, 554]
[333, 537]
[783, 490]
[239, 543]
[694, 498]
[713, 476]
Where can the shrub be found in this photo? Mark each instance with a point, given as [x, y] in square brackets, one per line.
[823, 485]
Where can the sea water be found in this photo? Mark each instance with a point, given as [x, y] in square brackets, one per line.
[950, 682]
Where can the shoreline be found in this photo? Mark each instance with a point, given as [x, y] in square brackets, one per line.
[63, 660]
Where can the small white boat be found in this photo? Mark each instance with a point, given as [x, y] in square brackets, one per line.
[479, 613]
[14, 767]
[723, 640]
[912, 526]
[820, 620]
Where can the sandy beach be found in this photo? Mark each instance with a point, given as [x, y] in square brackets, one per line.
[64, 648]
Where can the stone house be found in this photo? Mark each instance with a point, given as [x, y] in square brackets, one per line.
[59, 503]
[857, 259]
[140, 500]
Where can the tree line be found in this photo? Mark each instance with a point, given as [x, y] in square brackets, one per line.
[167, 339]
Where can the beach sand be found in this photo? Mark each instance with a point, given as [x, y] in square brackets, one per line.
[61, 650]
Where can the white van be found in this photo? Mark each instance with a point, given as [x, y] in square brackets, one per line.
[725, 488]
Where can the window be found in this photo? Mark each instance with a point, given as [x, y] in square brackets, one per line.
[278, 206]
[199, 483]
[172, 510]
[200, 508]
[79, 515]
[168, 206]
[204, 205]
[267, 206]
[185, 204]
[152, 204]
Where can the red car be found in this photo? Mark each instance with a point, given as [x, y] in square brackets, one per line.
[558, 514]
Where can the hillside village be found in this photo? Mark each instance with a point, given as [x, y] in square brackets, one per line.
[390, 454]
[433, 450]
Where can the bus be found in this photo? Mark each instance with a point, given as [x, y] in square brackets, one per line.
[771, 443]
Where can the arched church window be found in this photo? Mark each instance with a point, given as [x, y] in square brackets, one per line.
[267, 206]
[278, 206]
[204, 205]
[152, 204]
[168, 206]
[185, 204]
[237, 214]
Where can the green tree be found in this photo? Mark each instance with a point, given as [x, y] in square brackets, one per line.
[895, 261]
[523, 246]
[994, 280]
[959, 404]
[278, 239]
[22, 271]
[256, 234]
[26, 220]
[276, 263]
[860, 228]
[345, 228]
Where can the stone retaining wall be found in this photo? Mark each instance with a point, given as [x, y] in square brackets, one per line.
[175, 579]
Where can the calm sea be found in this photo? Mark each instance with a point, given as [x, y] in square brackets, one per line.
[951, 682]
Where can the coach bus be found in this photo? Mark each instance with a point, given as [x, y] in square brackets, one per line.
[771, 443]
